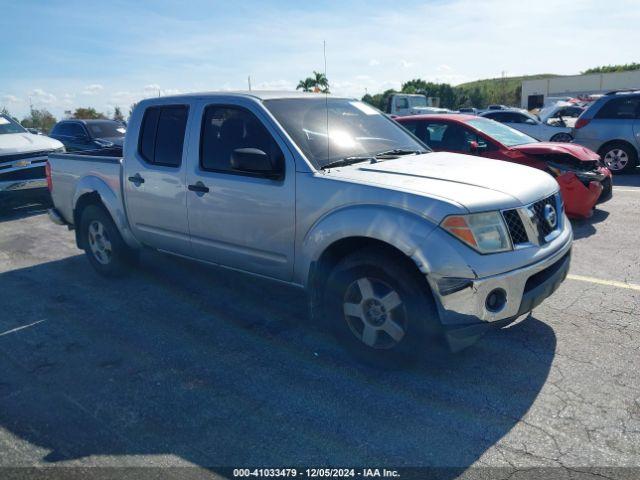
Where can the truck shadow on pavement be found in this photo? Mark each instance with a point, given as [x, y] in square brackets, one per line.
[183, 362]
[583, 228]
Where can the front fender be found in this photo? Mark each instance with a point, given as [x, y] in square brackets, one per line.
[403, 229]
[111, 201]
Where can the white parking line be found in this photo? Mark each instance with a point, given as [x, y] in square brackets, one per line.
[618, 189]
[599, 281]
[20, 328]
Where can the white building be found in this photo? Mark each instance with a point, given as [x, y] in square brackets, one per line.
[535, 93]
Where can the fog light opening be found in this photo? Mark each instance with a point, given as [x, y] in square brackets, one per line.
[496, 300]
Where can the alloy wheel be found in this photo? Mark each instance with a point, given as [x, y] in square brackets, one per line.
[562, 137]
[99, 243]
[616, 159]
[375, 313]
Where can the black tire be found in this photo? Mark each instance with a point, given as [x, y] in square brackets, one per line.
[561, 137]
[117, 259]
[416, 314]
[610, 156]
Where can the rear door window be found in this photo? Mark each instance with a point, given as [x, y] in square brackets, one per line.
[162, 135]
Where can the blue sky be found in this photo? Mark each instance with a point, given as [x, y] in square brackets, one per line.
[66, 54]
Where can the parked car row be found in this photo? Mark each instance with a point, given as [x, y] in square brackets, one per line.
[23, 153]
[397, 245]
[23, 156]
[583, 180]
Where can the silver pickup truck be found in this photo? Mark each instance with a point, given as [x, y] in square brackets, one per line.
[395, 244]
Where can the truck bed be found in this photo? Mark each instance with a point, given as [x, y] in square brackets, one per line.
[72, 173]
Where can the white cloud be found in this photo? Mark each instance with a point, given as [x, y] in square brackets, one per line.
[40, 96]
[152, 88]
[11, 99]
[406, 64]
[443, 68]
[374, 63]
[92, 89]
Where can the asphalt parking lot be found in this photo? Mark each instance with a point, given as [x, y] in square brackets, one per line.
[183, 364]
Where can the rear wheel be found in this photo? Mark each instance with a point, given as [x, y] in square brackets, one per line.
[562, 137]
[619, 157]
[378, 308]
[103, 244]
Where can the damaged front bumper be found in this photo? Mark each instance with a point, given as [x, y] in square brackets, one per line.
[499, 299]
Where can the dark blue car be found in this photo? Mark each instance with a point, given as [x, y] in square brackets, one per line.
[78, 135]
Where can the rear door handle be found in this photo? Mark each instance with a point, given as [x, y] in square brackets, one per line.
[199, 187]
[136, 180]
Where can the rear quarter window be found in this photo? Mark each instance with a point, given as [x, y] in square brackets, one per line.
[620, 108]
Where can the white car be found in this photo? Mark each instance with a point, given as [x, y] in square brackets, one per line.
[561, 112]
[529, 124]
[23, 156]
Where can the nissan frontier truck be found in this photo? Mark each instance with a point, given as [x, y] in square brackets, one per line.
[395, 244]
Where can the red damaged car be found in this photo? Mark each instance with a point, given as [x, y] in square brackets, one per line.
[583, 179]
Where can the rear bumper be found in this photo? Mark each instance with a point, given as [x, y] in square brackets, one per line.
[524, 289]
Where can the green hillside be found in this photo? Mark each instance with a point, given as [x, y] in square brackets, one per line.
[505, 90]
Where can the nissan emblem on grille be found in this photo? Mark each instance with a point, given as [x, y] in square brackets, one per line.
[550, 216]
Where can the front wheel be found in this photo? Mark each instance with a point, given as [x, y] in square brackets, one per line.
[103, 244]
[562, 137]
[379, 309]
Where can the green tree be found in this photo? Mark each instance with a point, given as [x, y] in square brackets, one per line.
[320, 81]
[41, 119]
[306, 85]
[131, 108]
[117, 114]
[613, 68]
[88, 113]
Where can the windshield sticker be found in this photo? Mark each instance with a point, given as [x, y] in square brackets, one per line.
[121, 130]
[3, 121]
[364, 108]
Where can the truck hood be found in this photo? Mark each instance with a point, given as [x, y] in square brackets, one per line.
[546, 148]
[12, 143]
[475, 183]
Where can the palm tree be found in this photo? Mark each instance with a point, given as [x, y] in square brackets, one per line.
[306, 85]
[320, 81]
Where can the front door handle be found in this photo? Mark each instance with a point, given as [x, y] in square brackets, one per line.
[137, 180]
[199, 188]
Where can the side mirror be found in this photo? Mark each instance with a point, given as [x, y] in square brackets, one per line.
[253, 160]
[475, 148]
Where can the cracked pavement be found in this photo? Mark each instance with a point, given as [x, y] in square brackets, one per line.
[188, 365]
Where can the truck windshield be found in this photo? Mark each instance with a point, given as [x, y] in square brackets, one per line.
[331, 129]
[505, 135]
[106, 129]
[9, 125]
[419, 101]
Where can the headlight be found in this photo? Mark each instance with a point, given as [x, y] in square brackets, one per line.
[484, 232]
[60, 150]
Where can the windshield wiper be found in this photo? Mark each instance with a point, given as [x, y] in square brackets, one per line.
[343, 162]
[400, 151]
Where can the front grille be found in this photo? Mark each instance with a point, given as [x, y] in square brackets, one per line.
[22, 156]
[543, 227]
[515, 226]
[23, 174]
